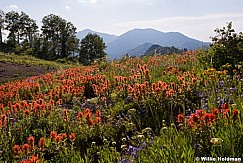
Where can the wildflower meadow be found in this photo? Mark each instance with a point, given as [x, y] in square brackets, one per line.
[165, 108]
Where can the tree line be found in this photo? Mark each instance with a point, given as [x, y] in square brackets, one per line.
[55, 39]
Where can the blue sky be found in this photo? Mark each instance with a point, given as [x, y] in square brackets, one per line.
[194, 18]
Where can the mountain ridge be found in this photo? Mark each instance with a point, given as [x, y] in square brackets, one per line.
[125, 43]
[106, 37]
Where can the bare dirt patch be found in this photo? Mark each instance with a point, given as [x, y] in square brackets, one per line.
[12, 71]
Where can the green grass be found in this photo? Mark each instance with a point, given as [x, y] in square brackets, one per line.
[32, 61]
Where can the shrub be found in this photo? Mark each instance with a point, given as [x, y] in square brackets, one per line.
[227, 48]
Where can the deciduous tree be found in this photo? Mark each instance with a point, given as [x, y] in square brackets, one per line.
[28, 30]
[22, 31]
[59, 37]
[12, 20]
[92, 48]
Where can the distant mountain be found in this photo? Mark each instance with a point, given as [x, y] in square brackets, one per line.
[140, 50]
[137, 41]
[106, 37]
[132, 39]
[157, 49]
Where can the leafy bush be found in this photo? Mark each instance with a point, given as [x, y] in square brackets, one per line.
[227, 48]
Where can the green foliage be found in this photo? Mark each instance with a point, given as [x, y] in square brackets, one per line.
[26, 59]
[58, 37]
[92, 48]
[170, 146]
[159, 50]
[61, 60]
[56, 40]
[227, 47]
[22, 30]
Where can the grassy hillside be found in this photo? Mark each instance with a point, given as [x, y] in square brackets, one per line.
[169, 108]
[14, 67]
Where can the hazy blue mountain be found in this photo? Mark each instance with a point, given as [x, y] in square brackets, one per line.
[133, 38]
[137, 41]
[140, 50]
[106, 37]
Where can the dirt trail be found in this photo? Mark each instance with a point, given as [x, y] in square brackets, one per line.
[11, 71]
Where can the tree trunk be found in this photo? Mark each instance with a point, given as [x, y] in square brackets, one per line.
[1, 37]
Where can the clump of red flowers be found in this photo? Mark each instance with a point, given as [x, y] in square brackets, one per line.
[72, 136]
[41, 143]
[181, 118]
[235, 115]
[201, 118]
[53, 134]
[16, 149]
[88, 116]
[31, 141]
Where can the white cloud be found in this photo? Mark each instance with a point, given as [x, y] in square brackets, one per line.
[67, 7]
[93, 1]
[199, 27]
[13, 7]
[88, 1]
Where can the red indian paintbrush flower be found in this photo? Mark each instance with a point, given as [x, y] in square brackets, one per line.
[58, 138]
[53, 134]
[180, 118]
[200, 112]
[225, 106]
[98, 113]
[27, 112]
[206, 118]
[98, 120]
[226, 113]
[194, 118]
[72, 136]
[80, 115]
[65, 112]
[88, 115]
[41, 143]
[26, 148]
[153, 87]
[91, 122]
[16, 149]
[34, 159]
[235, 115]
[215, 111]
[212, 117]
[64, 135]
[87, 110]
[31, 141]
